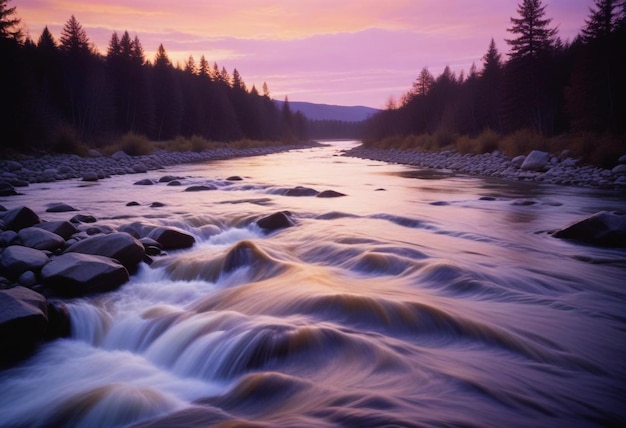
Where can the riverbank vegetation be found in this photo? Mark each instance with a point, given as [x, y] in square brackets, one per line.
[548, 94]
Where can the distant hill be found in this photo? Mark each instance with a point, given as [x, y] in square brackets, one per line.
[330, 112]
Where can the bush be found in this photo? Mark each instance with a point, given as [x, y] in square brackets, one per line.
[66, 141]
[522, 142]
[136, 145]
[488, 141]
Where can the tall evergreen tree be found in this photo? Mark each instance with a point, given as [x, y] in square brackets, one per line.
[533, 31]
[9, 24]
[74, 40]
[203, 68]
[604, 19]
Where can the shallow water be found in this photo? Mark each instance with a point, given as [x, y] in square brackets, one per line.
[409, 302]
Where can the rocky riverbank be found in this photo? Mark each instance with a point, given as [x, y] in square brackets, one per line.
[536, 166]
[49, 168]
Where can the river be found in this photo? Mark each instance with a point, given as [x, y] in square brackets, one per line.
[421, 298]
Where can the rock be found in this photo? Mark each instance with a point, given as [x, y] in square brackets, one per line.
[199, 188]
[169, 178]
[40, 239]
[19, 218]
[606, 229]
[622, 159]
[120, 155]
[23, 322]
[536, 161]
[64, 229]
[6, 189]
[60, 207]
[133, 204]
[27, 279]
[619, 169]
[119, 245]
[17, 259]
[90, 176]
[12, 166]
[330, 194]
[301, 191]
[139, 168]
[75, 274]
[174, 183]
[234, 178]
[279, 220]
[8, 237]
[171, 239]
[82, 218]
[518, 161]
[157, 205]
[2, 208]
[144, 182]
[93, 153]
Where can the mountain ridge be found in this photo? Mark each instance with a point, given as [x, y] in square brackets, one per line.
[314, 111]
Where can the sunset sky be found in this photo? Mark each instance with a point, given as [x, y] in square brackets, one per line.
[346, 52]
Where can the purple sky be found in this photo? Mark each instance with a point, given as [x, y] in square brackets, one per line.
[346, 52]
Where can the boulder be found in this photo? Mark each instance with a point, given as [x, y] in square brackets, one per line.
[144, 182]
[23, 322]
[19, 218]
[169, 178]
[90, 176]
[175, 183]
[133, 204]
[119, 245]
[16, 259]
[75, 274]
[93, 153]
[301, 191]
[330, 194]
[234, 178]
[157, 205]
[83, 218]
[7, 189]
[8, 237]
[536, 161]
[619, 169]
[64, 229]
[171, 239]
[40, 239]
[279, 220]
[199, 188]
[60, 207]
[606, 229]
[120, 155]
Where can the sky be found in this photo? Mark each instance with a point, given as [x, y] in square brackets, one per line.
[342, 52]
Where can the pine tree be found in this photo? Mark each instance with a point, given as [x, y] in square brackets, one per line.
[126, 47]
[190, 65]
[113, 51]
[9, 25]
[534, 36]
[424, 82]
[605, 16]
[161, 59]
[266, 90]
[137, 54]
[74, 40]
[46, 40]
[204, 68]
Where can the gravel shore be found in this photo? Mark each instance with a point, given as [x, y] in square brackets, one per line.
[537, 166]
[49, 168]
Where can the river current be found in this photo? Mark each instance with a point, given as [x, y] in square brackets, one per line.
[421, 298]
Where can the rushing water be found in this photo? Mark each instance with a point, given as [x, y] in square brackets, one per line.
[412, 301]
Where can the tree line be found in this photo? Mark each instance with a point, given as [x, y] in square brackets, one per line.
[56, 89]
[545, 85]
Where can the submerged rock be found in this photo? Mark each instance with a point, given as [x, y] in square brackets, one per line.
[200, 188]
[23, 322]
[60, 207]
[75, 274]
[279, 220]
[172, 239]
[301, 191]
[330, 194]
[606, 229]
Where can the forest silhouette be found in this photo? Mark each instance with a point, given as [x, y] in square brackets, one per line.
[59, 93]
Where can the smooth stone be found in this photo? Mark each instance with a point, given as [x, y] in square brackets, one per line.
[8, 237]
[23, 322]
[40, 239]
[119, 245]
[330, 194]
[90, 176]
[7, 189]
[278, 220]
[605, 229]
[200, 188]
[536, 161]
[63, 228]
[169, 178]
[133, 204]
[60, 207]
[17, 259]
[144, 182]
[157, 205]
[301, 191]
[172, 239]
[76, 274]
[83, 218]
[20, 218]
[174, 183]
[234, 178]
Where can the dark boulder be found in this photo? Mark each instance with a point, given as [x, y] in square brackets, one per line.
[119, 245]
[200, 188]
[23, 322]
[133, 204]
[83, 218]
[75, 274]
[16, 259]
[234, 178]
[19, 218]
[279, 220]
[144, 182]
[7, 189]
[301, 191]
[40, 239]
[175, 183]
[60, 207]
[330, 194]
[172, 239]
[64, 229]
[605, 229]
[169, 178]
